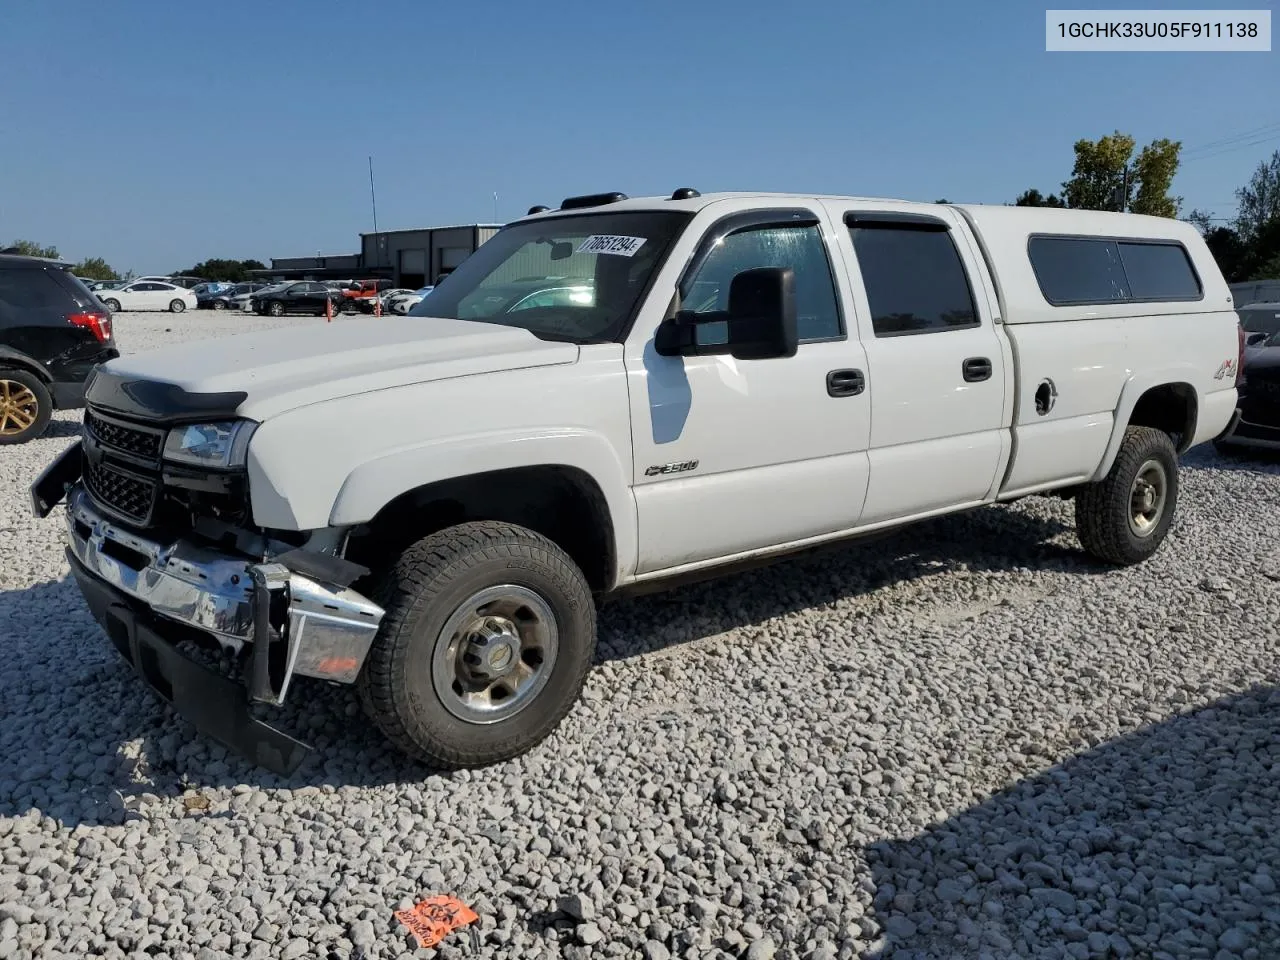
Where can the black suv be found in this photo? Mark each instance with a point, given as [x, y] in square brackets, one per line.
[305, 296]
[53, 332]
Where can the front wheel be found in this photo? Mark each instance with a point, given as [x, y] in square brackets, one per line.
[487, 639]
[176, 306]
[1124, 518]
[276, 309]
[112, 304]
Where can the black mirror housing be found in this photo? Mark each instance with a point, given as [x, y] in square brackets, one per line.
[762, 314]
[760, 322]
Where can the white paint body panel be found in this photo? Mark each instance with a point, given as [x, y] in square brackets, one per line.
[353, 415]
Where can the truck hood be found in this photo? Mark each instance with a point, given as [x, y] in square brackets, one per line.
[261, 375]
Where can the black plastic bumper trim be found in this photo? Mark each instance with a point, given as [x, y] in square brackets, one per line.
[215, 705]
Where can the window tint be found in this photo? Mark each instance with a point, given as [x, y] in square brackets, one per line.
[800, 248]
[1079, 270]
[31, 289]
[1159, 271]
[915, 280]
[1071, 270]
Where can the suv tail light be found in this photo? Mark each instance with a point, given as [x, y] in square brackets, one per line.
[96, 321]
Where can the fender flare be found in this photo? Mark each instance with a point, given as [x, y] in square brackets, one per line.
[1181, 374]
[372, 485]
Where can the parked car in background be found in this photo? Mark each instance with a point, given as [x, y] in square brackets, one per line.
[107, 284]
[406, 302]
[383, 299]
[149, 295]
[359, 290]
[1260, 318]
[1257, 421]
[302, 296]
[53, 332]
[242, 301]
[226, 296]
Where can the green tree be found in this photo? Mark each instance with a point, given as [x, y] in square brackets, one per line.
[1034, 198]
[29, 248]
[95, 268]
[1098, 177]
[1104, 179]
[229, 271]
[1154, 170]
[1229, 251]
[1259, 200]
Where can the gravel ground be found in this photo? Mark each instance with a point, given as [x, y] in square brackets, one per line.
[961, 741]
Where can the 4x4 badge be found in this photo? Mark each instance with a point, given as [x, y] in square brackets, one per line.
[1228, 367]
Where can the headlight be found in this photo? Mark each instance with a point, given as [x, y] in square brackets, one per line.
[221, 445]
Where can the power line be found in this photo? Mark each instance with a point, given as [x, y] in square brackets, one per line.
[1233, 149]
[1266, 128]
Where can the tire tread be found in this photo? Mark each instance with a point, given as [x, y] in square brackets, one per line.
[1102, 524]
[421, 573]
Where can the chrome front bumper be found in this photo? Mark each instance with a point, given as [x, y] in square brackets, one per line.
[328, 632]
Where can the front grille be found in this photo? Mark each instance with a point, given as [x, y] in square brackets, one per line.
[128, 495]
[119, 436]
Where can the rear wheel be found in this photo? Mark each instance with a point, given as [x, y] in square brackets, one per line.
[1125, 517]
[112, 304]
[177, 306]
[25, 406]
[487, 639]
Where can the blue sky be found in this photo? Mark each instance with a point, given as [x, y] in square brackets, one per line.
[157, 134]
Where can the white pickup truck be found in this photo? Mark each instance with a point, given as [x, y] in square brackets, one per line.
[614, 395]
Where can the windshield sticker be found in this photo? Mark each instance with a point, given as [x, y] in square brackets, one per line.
[618, 246]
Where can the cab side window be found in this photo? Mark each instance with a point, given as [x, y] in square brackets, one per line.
[800, 248]
[915, 280]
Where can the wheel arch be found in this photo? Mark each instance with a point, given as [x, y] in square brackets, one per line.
[1167, 402]
[562, 502]
[20, 361]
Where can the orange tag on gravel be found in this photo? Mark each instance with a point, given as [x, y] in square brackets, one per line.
[435, 918]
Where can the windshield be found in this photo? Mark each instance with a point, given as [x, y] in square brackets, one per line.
[575, 278]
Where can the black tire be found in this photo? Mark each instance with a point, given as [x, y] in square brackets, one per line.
[432, 580]
[112, 304]
[219, 305]
[276, 309]
[177, 306]
[24, 399]
[1105, 510]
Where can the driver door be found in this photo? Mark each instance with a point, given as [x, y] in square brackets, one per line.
[734, 456]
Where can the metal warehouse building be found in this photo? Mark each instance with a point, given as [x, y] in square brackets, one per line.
[408, 258]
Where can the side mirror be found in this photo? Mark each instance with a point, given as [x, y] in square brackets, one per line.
[1255, 338]
[760, 323]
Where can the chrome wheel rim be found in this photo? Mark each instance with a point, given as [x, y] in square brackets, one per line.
[494, 654]
[1148, 497]
[18, 408]
[177, 306]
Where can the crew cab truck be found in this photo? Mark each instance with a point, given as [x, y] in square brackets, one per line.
[431, 507]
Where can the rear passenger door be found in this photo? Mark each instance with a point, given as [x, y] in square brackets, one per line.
[938, 374]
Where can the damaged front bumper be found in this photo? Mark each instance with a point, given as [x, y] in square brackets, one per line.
[151, 595]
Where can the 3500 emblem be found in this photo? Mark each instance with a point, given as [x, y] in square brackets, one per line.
[684, 466]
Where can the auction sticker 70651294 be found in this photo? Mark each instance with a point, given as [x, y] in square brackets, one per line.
[618, 246]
